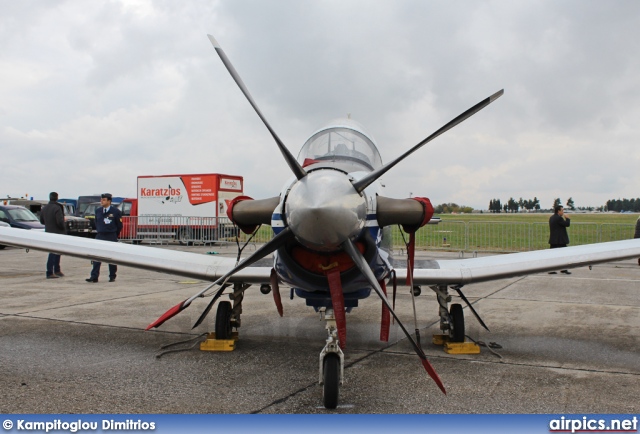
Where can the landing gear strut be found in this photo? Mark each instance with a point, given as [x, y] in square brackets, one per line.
[451, 320]
[228, 317]
[331, 363]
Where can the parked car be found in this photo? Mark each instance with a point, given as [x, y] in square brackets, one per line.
[75, 225]
[3, 224]
[20, 217]
[32, 205]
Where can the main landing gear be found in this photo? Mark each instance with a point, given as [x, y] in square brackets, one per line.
[331, 362]
[451, 319]
[228, 317]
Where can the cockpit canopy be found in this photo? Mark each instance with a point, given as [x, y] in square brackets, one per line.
[342, 139]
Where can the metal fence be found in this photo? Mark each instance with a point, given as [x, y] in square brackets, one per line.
[184, 230]
[448, 235]
[512, 236]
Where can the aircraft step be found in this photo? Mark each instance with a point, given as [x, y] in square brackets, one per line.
[213, 344]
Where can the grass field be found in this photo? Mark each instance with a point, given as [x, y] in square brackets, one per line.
[542, 217]
[517, 232]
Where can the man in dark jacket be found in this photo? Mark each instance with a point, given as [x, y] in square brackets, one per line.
[108, 224]
[558, 224]
[52, 217]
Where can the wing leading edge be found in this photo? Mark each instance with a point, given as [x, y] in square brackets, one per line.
[186, 264]
[473, 270]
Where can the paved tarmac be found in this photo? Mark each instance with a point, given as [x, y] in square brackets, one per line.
[570, 344]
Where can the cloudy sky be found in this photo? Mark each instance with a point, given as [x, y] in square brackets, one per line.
[93, 94]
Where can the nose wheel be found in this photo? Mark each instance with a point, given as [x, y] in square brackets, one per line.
[331, 378]
[331, 364]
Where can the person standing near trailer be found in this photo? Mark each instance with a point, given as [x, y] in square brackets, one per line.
[108, 225]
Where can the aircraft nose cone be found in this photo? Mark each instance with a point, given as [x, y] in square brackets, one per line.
[324, 210]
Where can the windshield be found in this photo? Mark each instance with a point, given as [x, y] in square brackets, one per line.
[22, 215]
[84, 201]
[341, 144]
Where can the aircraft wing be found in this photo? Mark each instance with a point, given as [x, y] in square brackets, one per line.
[473, 270]
[444, 271]
[186, 264]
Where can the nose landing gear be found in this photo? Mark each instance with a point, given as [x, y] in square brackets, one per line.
[331, 363]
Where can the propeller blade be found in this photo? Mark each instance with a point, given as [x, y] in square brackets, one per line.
[210, 305]
[263, 251]
[169, 314]
[273, 245]
[364, 182]
[296, 168]
[362, 265]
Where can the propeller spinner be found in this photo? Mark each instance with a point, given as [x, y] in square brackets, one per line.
[323, 210]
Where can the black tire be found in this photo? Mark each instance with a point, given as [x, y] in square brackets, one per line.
[265, 289]
[331, 378]
[417, 291]
[223, 320]
[2, 247]
[456, 333]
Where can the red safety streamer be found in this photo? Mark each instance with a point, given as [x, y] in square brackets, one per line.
[395, 289]
[275, 288]
[411, 247]
[386, 316]
[337, 299]
[411, 257]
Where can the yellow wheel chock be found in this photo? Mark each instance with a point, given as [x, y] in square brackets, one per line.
[213, 344]
[456, 347]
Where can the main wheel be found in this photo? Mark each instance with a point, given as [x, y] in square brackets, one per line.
[223, 320]
[331, 378]
[456, 332]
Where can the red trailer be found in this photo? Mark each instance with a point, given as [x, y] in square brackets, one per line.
[186, 208]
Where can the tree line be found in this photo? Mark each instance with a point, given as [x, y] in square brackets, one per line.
[624, 205]
[512, 205]
[447, 208]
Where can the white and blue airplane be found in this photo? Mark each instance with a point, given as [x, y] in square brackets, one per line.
[331, 244]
